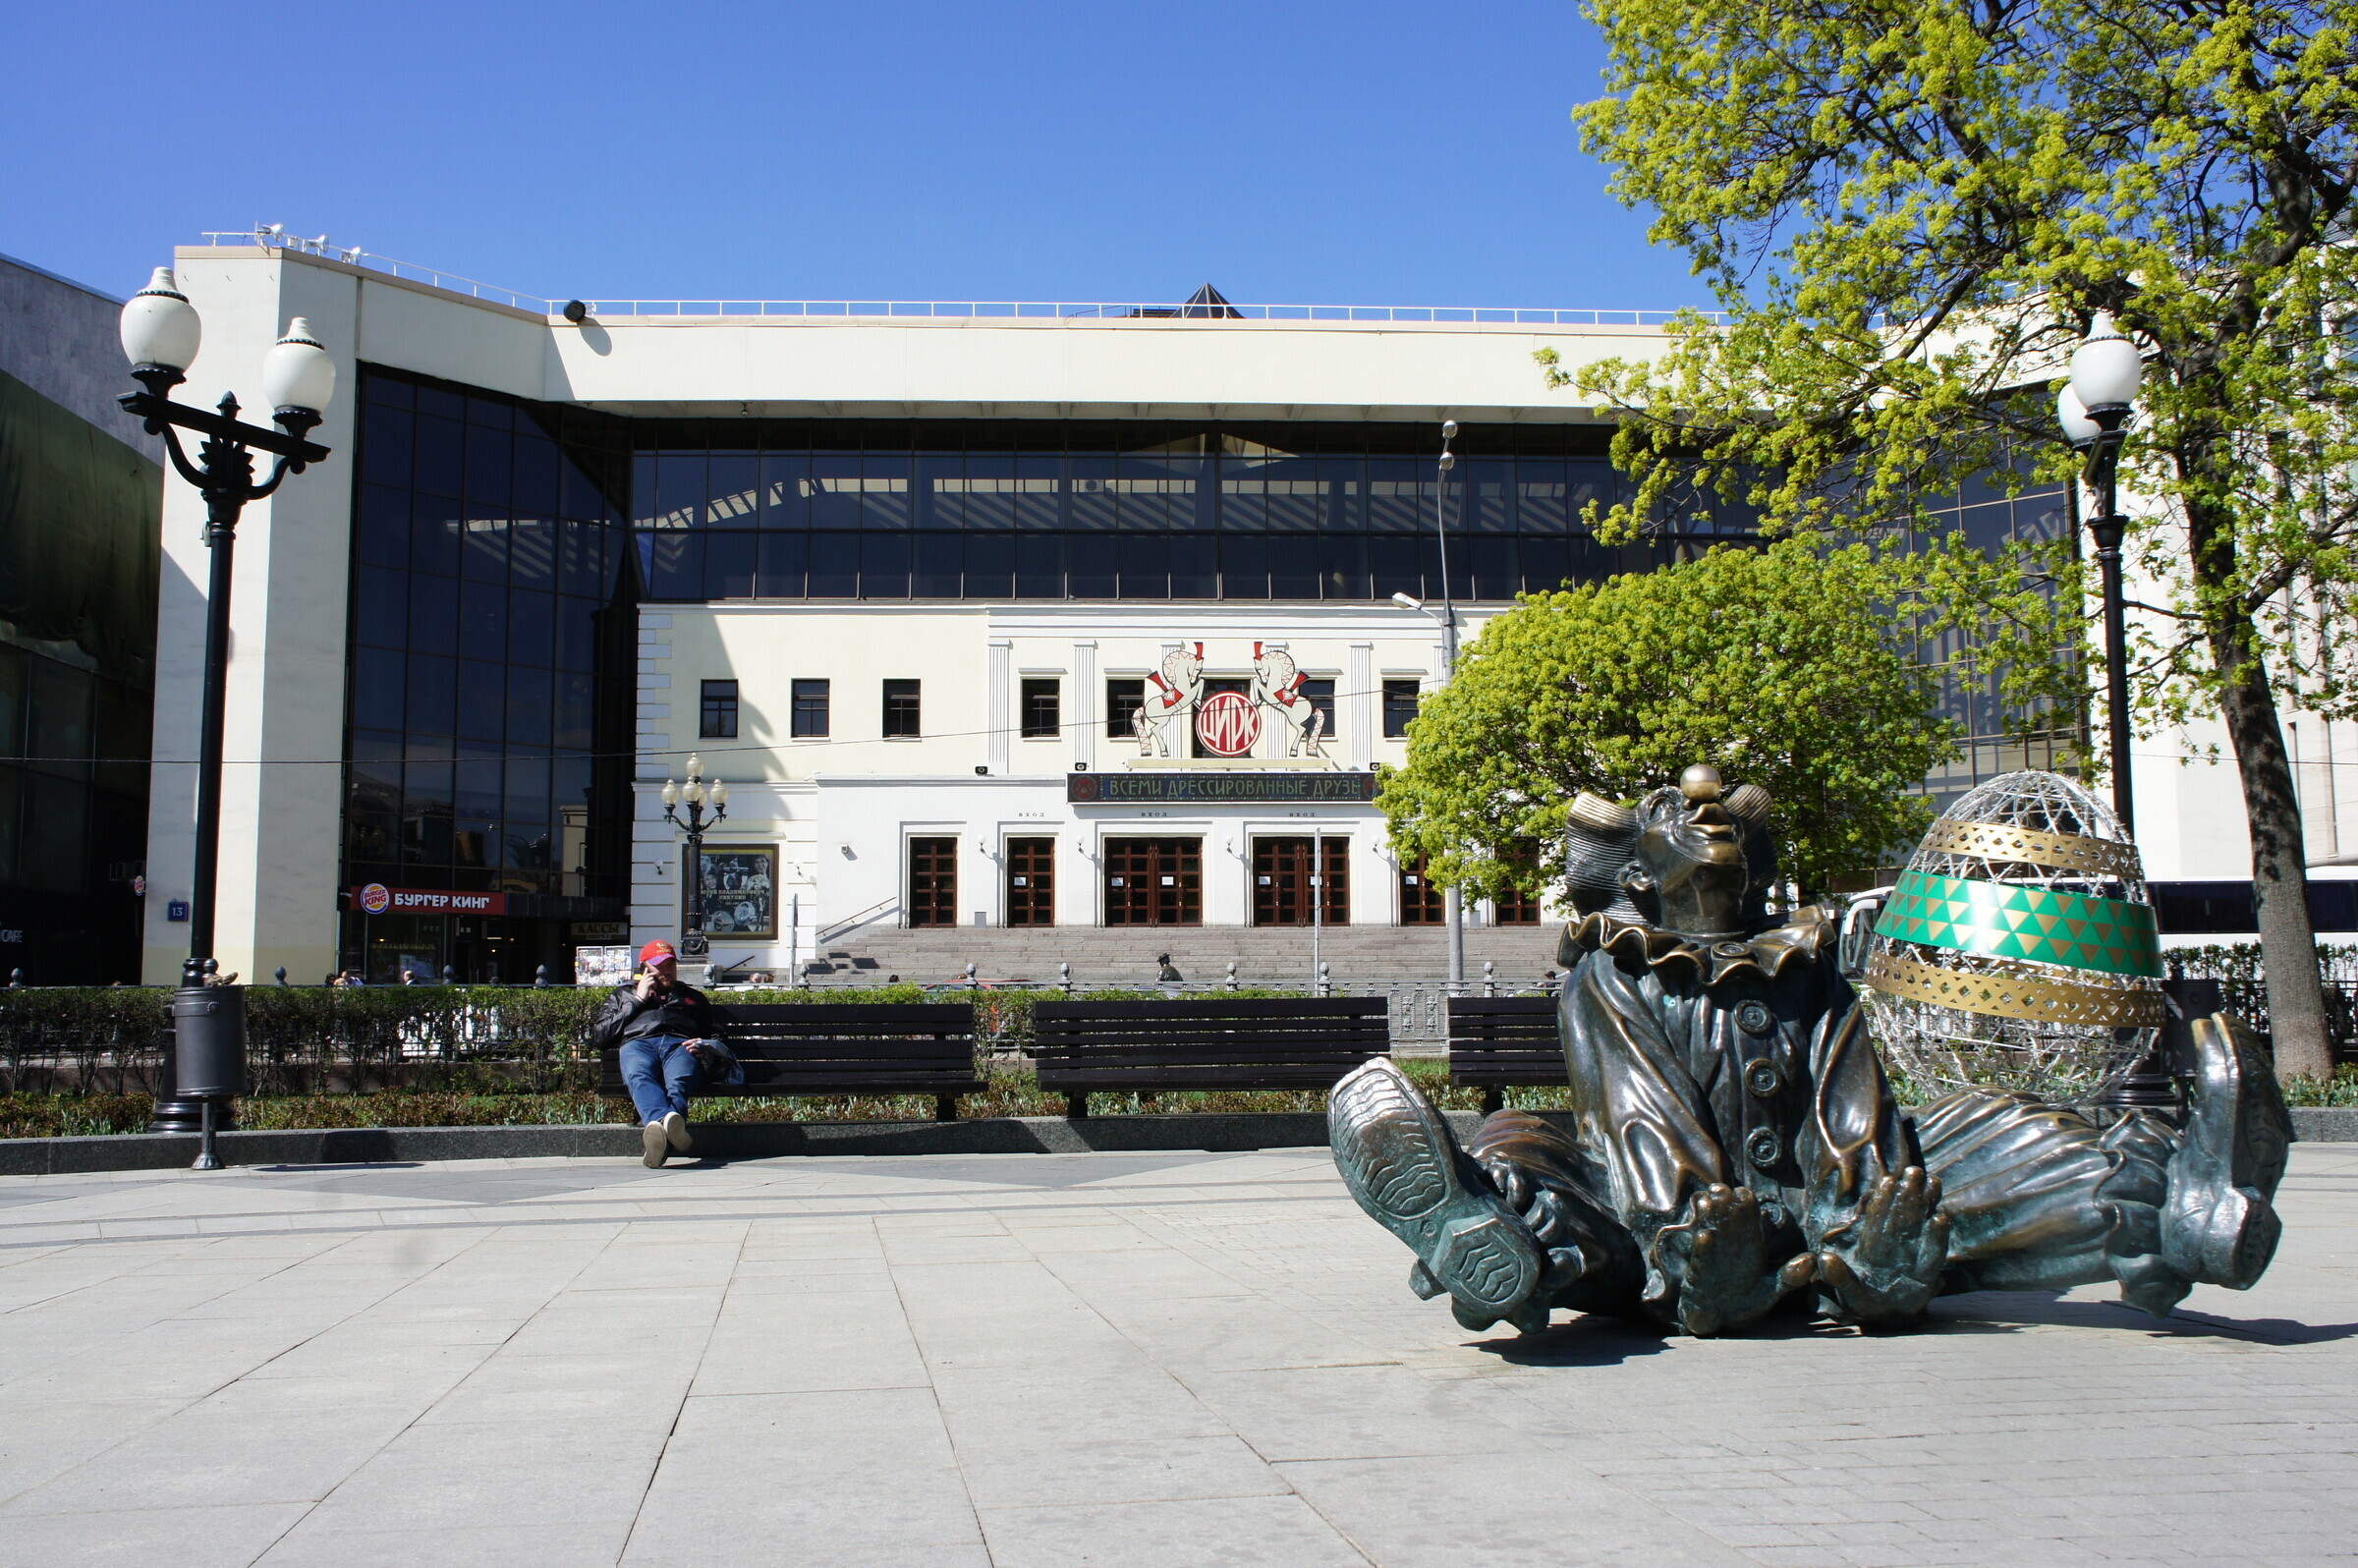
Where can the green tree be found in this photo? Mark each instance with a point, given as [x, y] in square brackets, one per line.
[1774, 665]
[1911, 212]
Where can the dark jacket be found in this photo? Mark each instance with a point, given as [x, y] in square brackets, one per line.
[681, 1011]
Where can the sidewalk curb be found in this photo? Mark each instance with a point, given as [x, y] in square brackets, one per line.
[998, 1135]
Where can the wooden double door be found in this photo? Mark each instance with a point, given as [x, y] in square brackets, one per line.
[1282, 867]
[1153, 882]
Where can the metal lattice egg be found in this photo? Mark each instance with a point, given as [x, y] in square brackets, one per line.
[2018, 949]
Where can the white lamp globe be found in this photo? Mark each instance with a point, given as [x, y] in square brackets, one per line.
[671, 792]
[2072, 415]
[2105, 367]
[692, 792]
[160, 327]
[299, 372]
[720, 793]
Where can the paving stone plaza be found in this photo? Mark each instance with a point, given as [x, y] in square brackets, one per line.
[1018, 1360]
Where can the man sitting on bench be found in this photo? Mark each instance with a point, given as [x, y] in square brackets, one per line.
[669, 1046]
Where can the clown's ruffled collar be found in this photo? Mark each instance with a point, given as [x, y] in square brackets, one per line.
[1797, 940]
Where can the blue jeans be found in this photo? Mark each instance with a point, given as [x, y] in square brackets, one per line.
[660, 1070]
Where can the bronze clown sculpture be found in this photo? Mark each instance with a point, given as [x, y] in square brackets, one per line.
[1734, 1146]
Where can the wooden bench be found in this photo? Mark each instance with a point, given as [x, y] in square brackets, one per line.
[829, 1049]
[1497, 1042]
[1203, 1043]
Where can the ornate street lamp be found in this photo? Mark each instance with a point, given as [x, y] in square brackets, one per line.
[2095, 408]
[693, 945]
[160, 334]
[1453, 903]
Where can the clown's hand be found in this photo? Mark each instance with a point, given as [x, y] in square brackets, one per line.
[1884, 1266]
[1719, 1255]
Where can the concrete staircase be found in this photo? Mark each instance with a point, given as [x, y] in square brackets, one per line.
[1126, 955]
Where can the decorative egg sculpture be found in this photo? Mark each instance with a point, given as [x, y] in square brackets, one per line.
[2018, 949]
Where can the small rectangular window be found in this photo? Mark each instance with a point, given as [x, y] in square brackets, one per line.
[1042, 709]
[1123, 699]
[718, 719]
[1399, 706]
[901, 717]
[1320, 695]
[810, 710]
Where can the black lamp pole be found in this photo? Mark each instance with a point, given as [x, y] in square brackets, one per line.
[224, 475]
[692, 944]
[2102, 476]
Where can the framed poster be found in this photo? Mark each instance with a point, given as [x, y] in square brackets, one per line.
[603, 966]
[740, 890]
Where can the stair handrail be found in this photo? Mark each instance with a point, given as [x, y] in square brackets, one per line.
[829, 933]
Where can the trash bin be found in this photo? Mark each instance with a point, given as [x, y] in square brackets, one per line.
[209, 1040]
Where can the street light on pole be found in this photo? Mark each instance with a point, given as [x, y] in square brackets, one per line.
[693, 947]
[2095, 408]
[1453, 904]
[161, 331]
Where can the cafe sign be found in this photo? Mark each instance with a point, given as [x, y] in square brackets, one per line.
[376, 898]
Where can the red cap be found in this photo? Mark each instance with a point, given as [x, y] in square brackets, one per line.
[655, 952]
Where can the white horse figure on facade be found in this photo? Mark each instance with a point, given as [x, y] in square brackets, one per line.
[1171, 705]
[1277, 688]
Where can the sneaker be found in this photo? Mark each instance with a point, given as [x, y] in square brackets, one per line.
[656, 1148]
[675, 1130]
[1403, 1166]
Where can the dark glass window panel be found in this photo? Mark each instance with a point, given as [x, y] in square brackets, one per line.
[939, 562]
[528, 789]
[1124, 697]
[675, 565]
[376, 688]
[1091, 500]
[482, 700]
[1089, 564]
[532, 627]
[50, 853]
[538, 464]
[809, 711]
[1344, 564]
[442, 402]
[729, 565]
[435, 532]
[484, 621]
[1497, 569]
[488, 468]
[1399, 495]
[576, 708]
[1319, 691]
[835, 490]
[533, 552]
[834, 566]
[679, 491]
[717, 710]
[1244, 566]
[1546, 564]
[1294, 566]
[884, 491]
[1244, 499]
[779, 562]
[380, 607]
[1146, 571]
[485, 555]
[991, 491]
[384, 526]
[1345, 483]
[1483, 502]
[904, 719]
[1198, 508]
[581, 498]
[785, 491]
[529, 706]
[480, 797]
[434, 614]
[433, 695]
[1989, 527]
[733, 490]
[389, 390]
[495, 414]
[585, 560]
[1040, 708]
[1039, 491]
[1400, 699]
[937, 490]
[1040, 566]
[440, 456]
[989, 566]
[1194, 567]
[1542, 498]
[577, 633]
[1291, 497]
[1590, 482]
[385, 444]
[1144, 494]
[643, 510]
[15, 676]
[568, 783]
[884, 565]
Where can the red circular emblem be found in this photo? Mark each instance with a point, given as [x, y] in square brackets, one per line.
[1228, 723]
[376, 899]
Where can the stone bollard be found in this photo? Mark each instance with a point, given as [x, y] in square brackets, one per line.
[1232, 973]
[1490, 978]
[1325, 979]
[1064, 978]
[281, 974]
[450, 974]
[540, 976]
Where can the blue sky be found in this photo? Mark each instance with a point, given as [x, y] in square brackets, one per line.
[1370, 153]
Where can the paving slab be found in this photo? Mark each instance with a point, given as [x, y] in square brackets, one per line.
[1135, 1357]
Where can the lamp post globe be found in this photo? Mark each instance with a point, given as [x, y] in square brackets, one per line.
[2071, 413]
[160, 328]
[299, 376]
[2105, 370]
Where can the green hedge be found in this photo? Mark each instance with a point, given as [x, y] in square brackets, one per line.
[467, 1039]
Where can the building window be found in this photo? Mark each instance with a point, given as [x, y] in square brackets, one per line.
[810, 710]
[1320, 695]
[1123, 699]
[718, 719]
[1042, 709]
[933, 882]
[901, 721]
[1399, 706]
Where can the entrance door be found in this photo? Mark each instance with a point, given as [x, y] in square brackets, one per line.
[1282, 872]
[1153, 882]
[1421, 902]
[933, 882]
[1031, 882]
